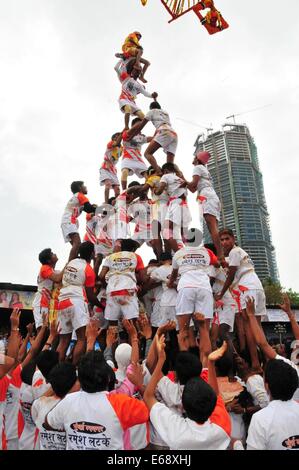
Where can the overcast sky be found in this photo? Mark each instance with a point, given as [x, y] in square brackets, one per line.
[58, 107]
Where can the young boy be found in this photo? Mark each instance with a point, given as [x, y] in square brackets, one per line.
[69, 223]
[132, 162]
[132, 51]
[209, 203]
[108, 173]
[130, 89]
[45, 282]
[164, 137]
[178, 216]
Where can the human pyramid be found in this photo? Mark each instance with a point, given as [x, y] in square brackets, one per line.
[137, 357]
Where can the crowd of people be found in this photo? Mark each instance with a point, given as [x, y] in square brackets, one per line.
[171, 355]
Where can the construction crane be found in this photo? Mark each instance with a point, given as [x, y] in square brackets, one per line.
[233, 116]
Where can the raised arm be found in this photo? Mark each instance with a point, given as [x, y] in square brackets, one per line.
[213, 357]
[133, 337]
[286, 307]
[205, 347]
[149, 394]
[14, 337]
[258, 332]
[194, 184]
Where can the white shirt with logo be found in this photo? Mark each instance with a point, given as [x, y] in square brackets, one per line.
[193, 264]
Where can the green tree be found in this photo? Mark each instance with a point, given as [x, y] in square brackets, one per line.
[274, 291]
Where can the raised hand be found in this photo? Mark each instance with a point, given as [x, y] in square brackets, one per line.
[45, 317]
[286, 305]
[54, 329]
[144, 326]
[170, 325]
[30, 328]
[112, 336]
[160, 345]
[250, 308]
[15, 319]
[92, 331]
[136, 375]
[130, 329]
[218, 353]
[199, 317]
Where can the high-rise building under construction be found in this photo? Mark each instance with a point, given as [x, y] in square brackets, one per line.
[238, 181]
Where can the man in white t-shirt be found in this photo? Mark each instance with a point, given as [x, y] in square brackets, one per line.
[93, 419]
[119, 272]
[241, 275]
[207, 424]
[165, 137]
[208, 200]
[168, 298]
[178, 216]
[62, 379]
[276, 427]
[194, 288]
[77, 290]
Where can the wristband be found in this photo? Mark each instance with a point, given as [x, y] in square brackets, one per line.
[15, 329]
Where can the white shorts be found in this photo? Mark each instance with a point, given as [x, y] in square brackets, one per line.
[167, 313]
[72, 315]
[259, 301]
[168, 140]
[38, 315]
[226, 315]
[134, 166]
[108, 175]
[68, 229]
[195, 300]
[156, 318]
[211, 204]
[132, 104]
[121, 306]
[161, 211]
[178, 214]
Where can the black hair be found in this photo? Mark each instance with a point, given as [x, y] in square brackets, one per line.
[226, 231]
[129, 245]
[187, 366]
[110, 200]
[282, 379]
[169, 167]
[46, 360]
[199, 400]
[153, 261]
[27, 372]
[76, 186]
[111, 380]
[45, 256]
[151, 170]
[166, 256]
[86, 251]
[93, 372]
[115, 135]
[135, 121]
[224, 365]
[134, 183]
[155, 105]
[62, 378]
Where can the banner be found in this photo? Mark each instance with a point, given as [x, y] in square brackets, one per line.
[16, 299]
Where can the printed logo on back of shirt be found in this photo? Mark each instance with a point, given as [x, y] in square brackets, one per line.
[88, 428]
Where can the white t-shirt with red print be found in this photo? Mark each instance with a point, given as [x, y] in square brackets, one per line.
[97, 421]
[245, 276]
[74, 208]
[44, 287]
[122, 268]
[193, 264]
[184, 434]
[77, 275]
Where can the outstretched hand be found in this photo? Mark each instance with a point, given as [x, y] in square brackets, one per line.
[15, 319]
[112, 336]
[286, 305]
[170, 325]
[250, 307]
[218, 353]
[200, 318]
[160, 345]
[144, 326]
[130, 328]
[92, 331]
